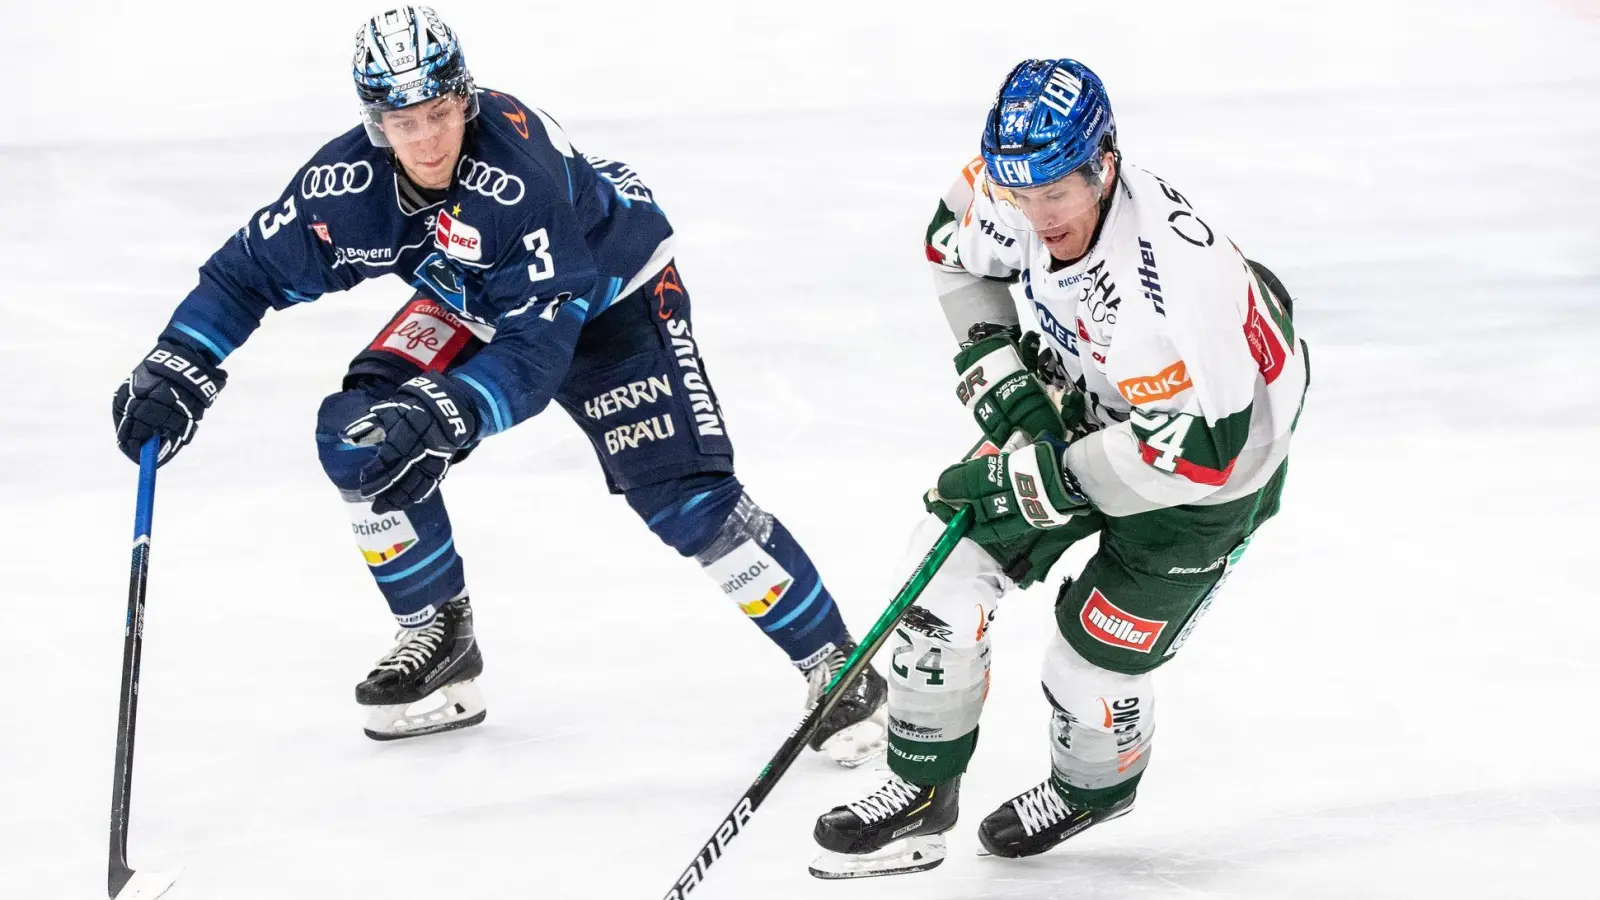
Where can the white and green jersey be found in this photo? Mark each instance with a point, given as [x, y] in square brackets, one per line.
[1189, 364]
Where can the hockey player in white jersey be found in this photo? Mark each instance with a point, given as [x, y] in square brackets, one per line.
[1156, 371]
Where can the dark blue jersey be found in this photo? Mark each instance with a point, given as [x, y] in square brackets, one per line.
[531, 241]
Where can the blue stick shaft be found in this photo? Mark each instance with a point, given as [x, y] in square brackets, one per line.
[118, 871]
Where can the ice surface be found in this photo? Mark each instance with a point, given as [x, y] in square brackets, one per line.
[1394, 700]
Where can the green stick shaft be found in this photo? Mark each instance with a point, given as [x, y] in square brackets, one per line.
[736, 820]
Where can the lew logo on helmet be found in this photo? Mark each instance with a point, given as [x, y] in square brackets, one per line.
[1059, 92]
[1014, 171]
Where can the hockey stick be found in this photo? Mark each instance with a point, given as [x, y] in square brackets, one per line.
[122, 882]
[734, 822]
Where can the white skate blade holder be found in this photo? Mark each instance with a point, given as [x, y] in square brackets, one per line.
[912, 854]
[148, 885]
[454, 706]
[859, 743]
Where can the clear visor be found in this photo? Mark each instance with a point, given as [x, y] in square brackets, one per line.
[1044, 208]
[421, 122]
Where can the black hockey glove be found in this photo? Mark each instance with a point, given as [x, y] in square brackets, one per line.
[165, 396]
[418, 432]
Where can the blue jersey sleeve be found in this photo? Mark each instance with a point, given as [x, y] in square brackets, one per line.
[545, 281]
[277, 260]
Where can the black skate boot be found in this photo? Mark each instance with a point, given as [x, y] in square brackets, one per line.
[856, 730]
[441, 656]
[1036, 820]
[896, 829]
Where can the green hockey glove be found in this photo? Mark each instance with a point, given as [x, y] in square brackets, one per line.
[1013, 494]
[1000, 388]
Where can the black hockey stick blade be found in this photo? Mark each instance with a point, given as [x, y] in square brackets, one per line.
[122, 882]
[735, 821]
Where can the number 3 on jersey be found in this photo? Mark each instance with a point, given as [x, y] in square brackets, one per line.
[538, 243]
[278, 220]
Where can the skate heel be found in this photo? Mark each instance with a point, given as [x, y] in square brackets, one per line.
[862, 742]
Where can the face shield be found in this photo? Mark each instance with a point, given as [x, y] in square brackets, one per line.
[420, 122]
[1047, 207]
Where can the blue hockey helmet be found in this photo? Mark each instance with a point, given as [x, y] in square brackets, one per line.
[1051, 117]
[407, 56]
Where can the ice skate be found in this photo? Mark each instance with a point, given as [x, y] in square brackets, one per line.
[1037, 820]
[896, 829]
[437, 662]
[856, 730]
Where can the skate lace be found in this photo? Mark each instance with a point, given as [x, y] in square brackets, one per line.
[819, 676]
[1040, 808]
[414, 648]
[884, 802]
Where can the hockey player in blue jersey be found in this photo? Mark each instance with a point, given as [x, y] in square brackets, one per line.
[540, 274]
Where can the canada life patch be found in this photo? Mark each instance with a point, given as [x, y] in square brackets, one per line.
[426, 334]
[1110, 624]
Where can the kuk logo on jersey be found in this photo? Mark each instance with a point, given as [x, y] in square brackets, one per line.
[1169, 382]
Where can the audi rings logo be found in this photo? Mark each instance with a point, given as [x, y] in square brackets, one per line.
[336, 180]
[482, 178]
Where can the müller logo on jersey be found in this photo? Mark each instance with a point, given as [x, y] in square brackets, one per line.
[457, 238]
[1110, 624]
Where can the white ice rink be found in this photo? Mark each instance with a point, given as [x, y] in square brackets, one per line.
[1396, 697]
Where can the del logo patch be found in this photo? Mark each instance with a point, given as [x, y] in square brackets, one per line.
[1110, 624]
[457, 238]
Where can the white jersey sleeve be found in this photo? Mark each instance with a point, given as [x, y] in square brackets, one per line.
[973, 258]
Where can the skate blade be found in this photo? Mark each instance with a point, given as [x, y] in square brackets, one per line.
[148, 885]
[462, 707]
[902, 857]
[862, 742]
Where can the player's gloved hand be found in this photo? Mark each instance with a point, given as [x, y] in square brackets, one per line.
[1013, 494]
[999, 385]
[165, 396]
[418, 432]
